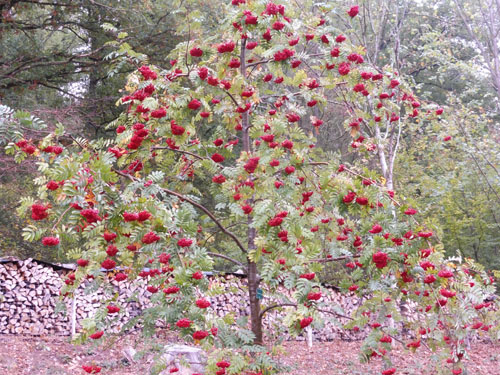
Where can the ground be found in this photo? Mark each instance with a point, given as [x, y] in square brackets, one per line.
[53, 355]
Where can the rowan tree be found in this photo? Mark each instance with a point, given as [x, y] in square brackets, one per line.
[214, 146]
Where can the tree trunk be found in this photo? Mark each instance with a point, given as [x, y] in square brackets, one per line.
[383, 159]
[94, 20]
[252, 274]
[255, 318]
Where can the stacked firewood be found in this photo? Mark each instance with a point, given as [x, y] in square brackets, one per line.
[340, 305]
[29, 293]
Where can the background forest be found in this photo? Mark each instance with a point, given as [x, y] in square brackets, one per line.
[67, 61]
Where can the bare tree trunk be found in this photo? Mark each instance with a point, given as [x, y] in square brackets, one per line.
[386, 172]
[489, 26]
[494, 35]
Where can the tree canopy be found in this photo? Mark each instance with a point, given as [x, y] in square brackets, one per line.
[216, 159]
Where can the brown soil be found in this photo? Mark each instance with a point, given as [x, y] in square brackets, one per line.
[26, 355]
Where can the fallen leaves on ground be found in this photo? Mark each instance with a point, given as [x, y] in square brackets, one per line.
[55, 355]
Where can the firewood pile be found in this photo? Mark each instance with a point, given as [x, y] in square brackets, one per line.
[29, 292]
[335, 301]
[28, 295]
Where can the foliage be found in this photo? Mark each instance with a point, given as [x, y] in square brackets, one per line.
[457, 183]
[13, 123]
[56, 55]
[227, 112]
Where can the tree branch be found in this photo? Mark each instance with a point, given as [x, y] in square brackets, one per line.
[197, 205]
[232, 98]
[275, 307]
[258, 63]
[269, 308]
[326, 260]
[179, 151]
[226, 258]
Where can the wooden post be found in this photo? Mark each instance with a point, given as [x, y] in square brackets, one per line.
[73, 316]
[309, 337]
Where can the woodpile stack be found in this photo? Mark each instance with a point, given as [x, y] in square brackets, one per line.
[29, 292]
[28, 295]
[235, 301]
[132, 298]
